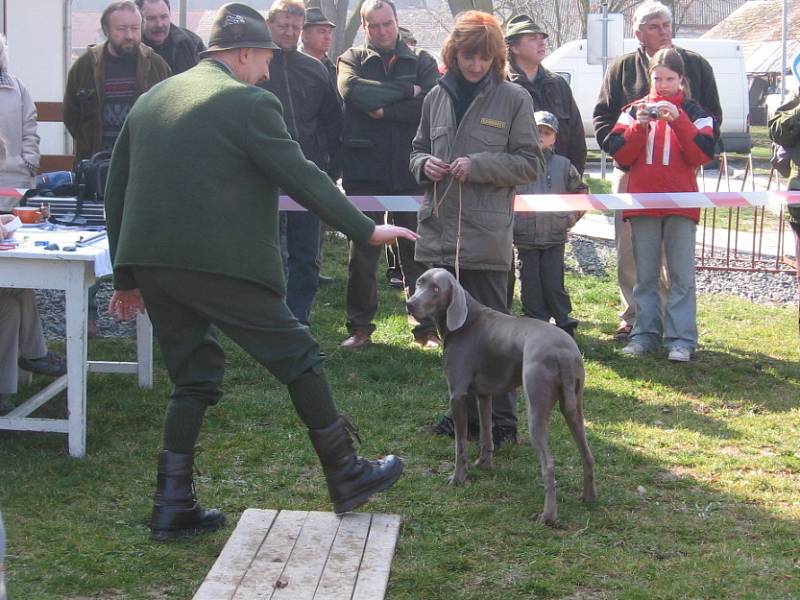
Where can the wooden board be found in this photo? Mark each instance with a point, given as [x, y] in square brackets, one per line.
[277, 555]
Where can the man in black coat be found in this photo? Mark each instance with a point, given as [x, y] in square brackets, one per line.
[383, 84]
[527, 47]
[313, 116]
[179, 47]
[625, 81]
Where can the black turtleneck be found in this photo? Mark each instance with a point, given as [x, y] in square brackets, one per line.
[462, 92]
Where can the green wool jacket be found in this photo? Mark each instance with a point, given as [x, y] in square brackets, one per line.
[194, 179]
[784, 129]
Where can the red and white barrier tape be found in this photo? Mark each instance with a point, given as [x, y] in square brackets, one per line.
[562, 202]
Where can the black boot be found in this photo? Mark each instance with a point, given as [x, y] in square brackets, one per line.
[176, 511]
[351, 479]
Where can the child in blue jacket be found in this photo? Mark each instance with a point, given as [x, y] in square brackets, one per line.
[540, 238]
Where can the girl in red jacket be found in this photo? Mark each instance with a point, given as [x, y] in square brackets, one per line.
[663, 139]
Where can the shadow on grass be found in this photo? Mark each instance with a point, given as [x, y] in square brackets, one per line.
[668, 522]
[736, 378]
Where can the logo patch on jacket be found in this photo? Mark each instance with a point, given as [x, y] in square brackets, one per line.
[493, 123]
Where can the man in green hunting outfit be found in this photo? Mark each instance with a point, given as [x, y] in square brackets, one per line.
[192, 210]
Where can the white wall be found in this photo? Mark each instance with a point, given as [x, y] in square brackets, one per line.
[35, 32]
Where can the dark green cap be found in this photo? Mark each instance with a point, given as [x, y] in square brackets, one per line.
[522, 25]
[238, 26]
[315, 16]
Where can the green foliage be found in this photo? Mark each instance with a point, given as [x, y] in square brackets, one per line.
[697, 466]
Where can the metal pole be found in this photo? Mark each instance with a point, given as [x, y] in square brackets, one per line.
[604, 4]
[783, 48]
[182, 16]
[66, 63]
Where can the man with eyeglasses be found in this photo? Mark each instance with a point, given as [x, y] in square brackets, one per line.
[106, 80]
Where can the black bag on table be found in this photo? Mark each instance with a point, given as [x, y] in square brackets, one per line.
[80, 202]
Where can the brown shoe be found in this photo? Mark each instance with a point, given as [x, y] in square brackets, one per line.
[429, 340]
[623, 332]
[356, 340]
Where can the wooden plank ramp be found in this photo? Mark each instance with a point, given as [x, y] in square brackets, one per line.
[304, 555]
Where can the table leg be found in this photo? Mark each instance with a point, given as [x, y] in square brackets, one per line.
[144, 350]
[76, 298]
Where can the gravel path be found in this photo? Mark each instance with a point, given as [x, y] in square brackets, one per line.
[585, 255]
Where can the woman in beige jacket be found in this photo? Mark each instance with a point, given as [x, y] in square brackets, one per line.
[17, 130]
[476, 141]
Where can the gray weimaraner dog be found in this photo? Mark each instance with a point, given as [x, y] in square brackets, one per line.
[492, 353]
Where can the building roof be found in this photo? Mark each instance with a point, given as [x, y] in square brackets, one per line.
[757, 26]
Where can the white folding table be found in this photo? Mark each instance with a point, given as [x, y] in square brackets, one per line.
[32, 266]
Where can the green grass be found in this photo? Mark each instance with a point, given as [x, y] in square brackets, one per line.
[698, 470]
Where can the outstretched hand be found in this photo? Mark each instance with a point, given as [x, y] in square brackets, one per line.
[387, 234]
[126, 304]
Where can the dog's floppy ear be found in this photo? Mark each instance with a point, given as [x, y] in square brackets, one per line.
[457, 309]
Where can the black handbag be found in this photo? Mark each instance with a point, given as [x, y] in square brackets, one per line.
[91, 175]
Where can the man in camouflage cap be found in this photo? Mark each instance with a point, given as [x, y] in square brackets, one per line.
[198, 247]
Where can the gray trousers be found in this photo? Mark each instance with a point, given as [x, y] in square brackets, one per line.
[626, 262]
[20, 334]
[674, 322]
[626, 265]
[490, 289]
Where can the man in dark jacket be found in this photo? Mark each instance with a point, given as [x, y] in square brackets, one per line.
[102, 86]
[628, 80]
[106, 80]
[313, 116]
[383, 84]
[180, 47]
[527, 47]
[317, 38]
[208, 150]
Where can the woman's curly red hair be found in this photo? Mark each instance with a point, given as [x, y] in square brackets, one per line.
[476, 32]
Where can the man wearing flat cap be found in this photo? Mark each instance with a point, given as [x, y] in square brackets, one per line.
[527, 48]
[196, 172]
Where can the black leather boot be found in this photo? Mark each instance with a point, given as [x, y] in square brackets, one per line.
[176, 511]
[351, 479]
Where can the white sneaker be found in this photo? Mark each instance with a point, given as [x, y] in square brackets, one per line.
[679, 354]
[635, 349]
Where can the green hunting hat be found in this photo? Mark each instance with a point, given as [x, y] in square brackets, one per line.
[522, 25]
[315, 16]
[238, 26]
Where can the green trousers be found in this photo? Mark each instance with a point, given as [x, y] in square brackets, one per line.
[183, 306]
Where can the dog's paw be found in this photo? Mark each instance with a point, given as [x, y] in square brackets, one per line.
[457, 480]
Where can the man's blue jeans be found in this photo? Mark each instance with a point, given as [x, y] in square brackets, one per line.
[301, 261]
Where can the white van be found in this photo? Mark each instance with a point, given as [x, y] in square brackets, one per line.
[725, 56]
